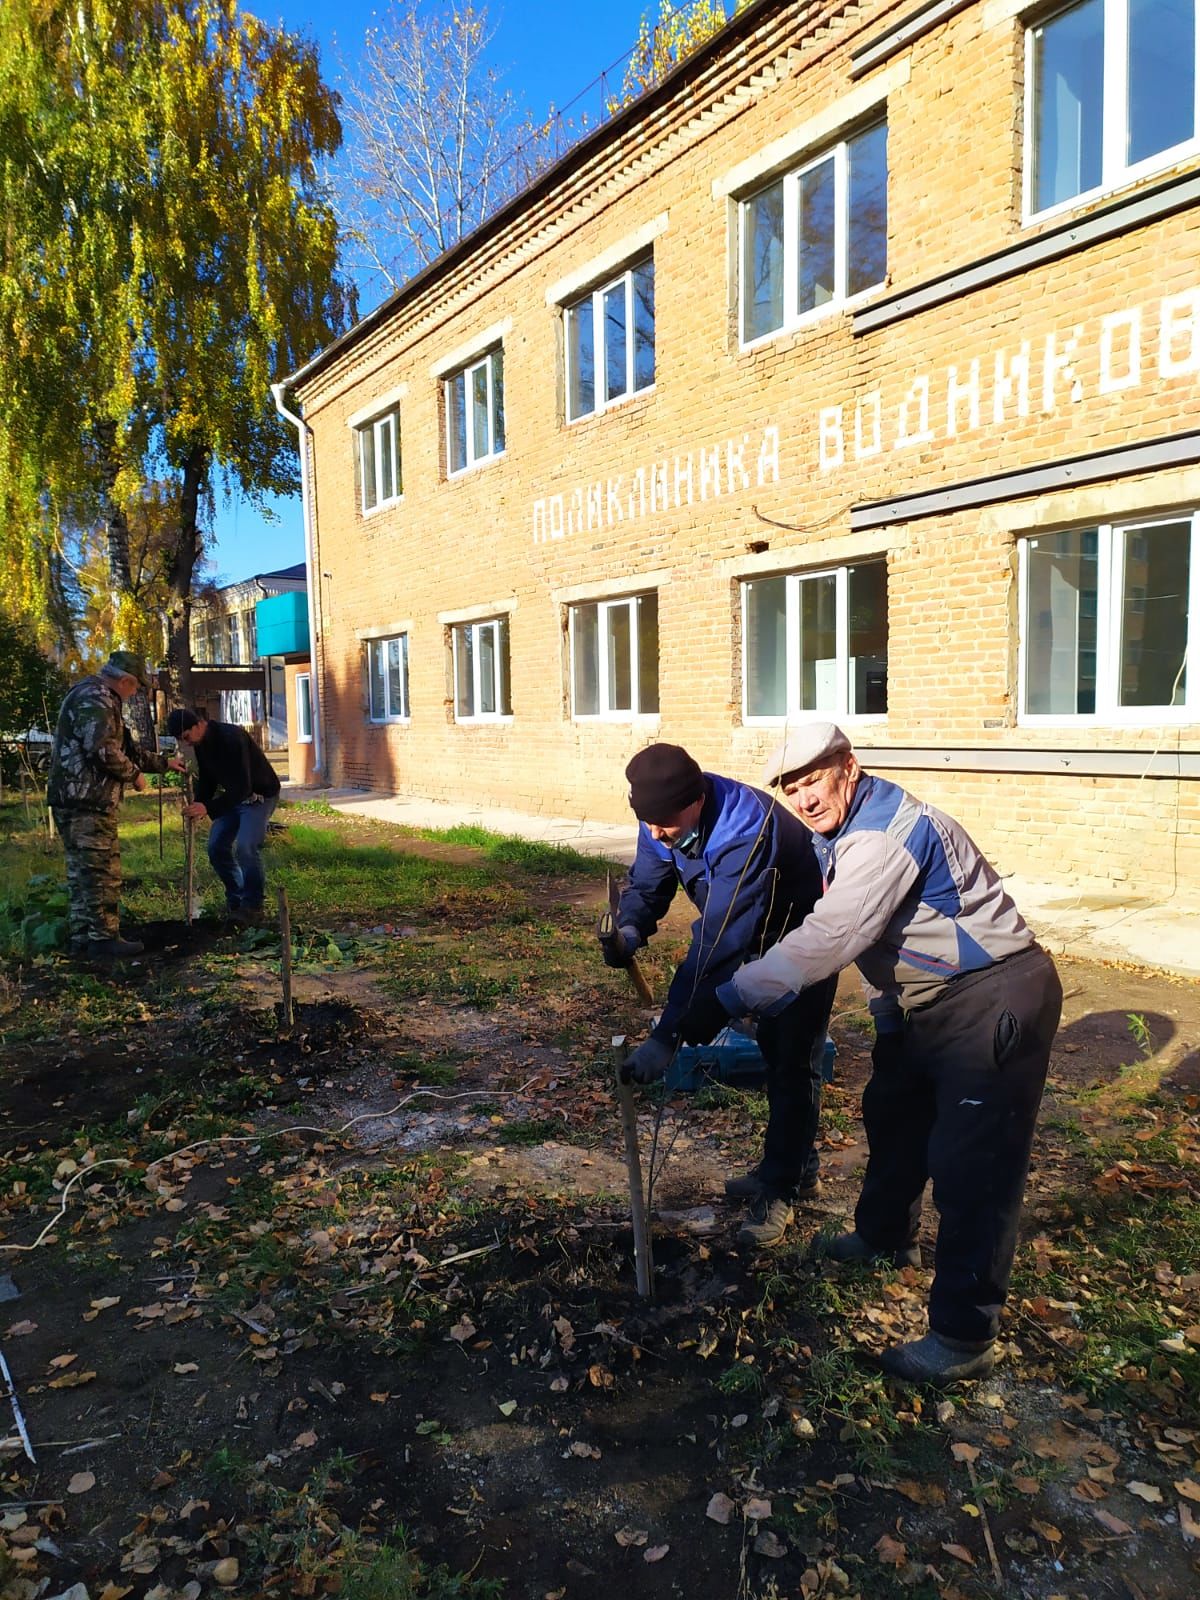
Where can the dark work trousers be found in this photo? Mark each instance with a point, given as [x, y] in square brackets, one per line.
[955, 1100]
[793, 1046]
[235, 843]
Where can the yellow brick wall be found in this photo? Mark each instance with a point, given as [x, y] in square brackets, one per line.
[954, 116]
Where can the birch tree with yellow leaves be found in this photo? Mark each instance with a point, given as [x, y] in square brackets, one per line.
[167, 250]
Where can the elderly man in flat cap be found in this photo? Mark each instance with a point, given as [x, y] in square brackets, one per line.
[93, 757]
[966, 1006]
[749, 868]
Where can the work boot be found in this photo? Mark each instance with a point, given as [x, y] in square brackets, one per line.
[766, 1224]
[750, 1187]
[936, 1359]
[853, 1247]
[114, 949]
[247, 917]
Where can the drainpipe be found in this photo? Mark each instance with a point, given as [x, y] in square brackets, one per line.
[304, 433]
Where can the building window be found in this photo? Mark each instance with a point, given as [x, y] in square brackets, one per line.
[475, 412]
[815, 644]
[815, 237]
[379, 459]
[304, 707]
[1112, 93]
[481, 674]
[614, 657]
[1108, 621]
[610, 342]
[387, 678]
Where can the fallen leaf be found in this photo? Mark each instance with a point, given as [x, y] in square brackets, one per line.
[63, 1361]
[770, 1545]
[890, 1551]
[1188, 1488]
[631, 1536]
[921, 1494]
[19, 1329]
[463, 1330]
[185, 1366]
[1048, 1531]
[380, 1398]
[960, 1553]
[1189, 1525]
[588, 1452]
[115, 1591]
[1146, 1491]
[507, 1407]
[965, 1452]
[70, 1380]
[656, 1552]
[225, 1571]
[740, 1420]
[559, 1385]
[1107, 1520]
[105, 1302]
[81, 1483]
[302, 1441]
[720, 1508]
[756, 1509]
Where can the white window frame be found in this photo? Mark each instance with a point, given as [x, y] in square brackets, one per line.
[600, 349]
[1115, 174]
[628, 602]
[793, 713]
[301, 736]
[392, 714]
[466, 373]
[841, 300]
[1110, 574]
[378, 428]
[476, 629]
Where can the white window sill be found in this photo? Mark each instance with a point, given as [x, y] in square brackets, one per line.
[453, 475]
[384, 505]
[811, 319]
[844, 719]
[1153, 167]
[304, 738]
[388, 722]
[609, 406]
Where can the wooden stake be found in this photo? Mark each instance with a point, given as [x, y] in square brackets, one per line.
[160, 817]
[189, 853]
[285, 956]
[643, 1257]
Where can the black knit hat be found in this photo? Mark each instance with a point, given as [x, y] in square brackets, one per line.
[663, 781]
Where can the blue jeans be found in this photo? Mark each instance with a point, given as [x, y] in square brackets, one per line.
[235, 843]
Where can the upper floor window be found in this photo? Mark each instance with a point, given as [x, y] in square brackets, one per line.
[481, 670]
[1109, 621]
[379, 459]
[475, 411]
[610, 341]
[816, 643]
[387, 678]
[1112, 93]
[816, 236]
[614, 657]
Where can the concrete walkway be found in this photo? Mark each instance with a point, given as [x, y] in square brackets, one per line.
[1088, 921]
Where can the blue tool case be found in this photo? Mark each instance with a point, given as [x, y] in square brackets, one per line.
[732, 1059]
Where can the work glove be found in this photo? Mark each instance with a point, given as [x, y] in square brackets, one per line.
[648, 1063]
[619, 946]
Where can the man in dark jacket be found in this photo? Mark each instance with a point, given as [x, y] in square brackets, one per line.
[748, 866]
[239, 789]
[93, 758]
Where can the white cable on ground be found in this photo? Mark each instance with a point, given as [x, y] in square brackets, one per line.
[257, 1138]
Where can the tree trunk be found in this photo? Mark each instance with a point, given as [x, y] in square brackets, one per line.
[183, 567]
[116, 527]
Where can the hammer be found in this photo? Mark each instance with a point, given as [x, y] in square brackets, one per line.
[608, 926]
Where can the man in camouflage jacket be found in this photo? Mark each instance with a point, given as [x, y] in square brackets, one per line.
[93, 758]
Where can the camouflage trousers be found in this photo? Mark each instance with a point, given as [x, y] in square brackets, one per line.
[93, 872]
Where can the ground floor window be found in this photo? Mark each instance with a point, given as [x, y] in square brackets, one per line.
[1109, 620]
[481, 671]
[815, 643]
[387, 678]
[304, 707]
[614, 657]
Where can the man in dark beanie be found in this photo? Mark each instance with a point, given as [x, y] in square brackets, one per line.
[747, 864]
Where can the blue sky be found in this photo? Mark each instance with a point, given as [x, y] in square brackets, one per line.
[548, 53]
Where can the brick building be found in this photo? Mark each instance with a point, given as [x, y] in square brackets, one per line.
[853, 371]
